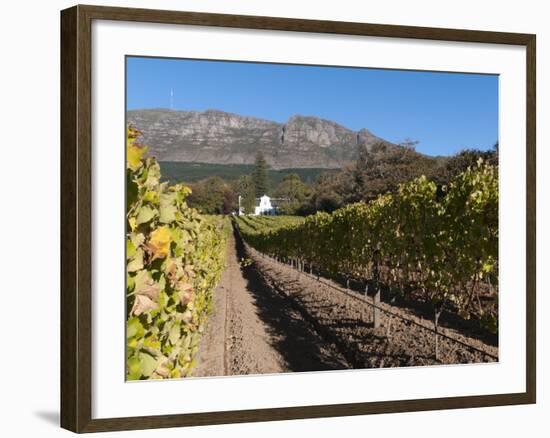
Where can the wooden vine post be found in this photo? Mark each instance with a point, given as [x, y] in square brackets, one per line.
[437, 314]
[376, 299]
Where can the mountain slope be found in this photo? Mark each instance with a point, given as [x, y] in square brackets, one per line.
[224, 138]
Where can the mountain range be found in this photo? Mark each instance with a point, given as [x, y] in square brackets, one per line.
[219, 137]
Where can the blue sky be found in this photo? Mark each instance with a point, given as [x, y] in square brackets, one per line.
[445, 112]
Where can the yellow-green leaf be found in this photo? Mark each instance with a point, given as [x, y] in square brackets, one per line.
[134, 154]
[159, 243]
[145, 214]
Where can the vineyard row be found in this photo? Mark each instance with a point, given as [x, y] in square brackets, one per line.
[175, 257]
[436, 244]
[379, 307]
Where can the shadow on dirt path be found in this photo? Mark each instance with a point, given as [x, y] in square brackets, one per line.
[256, 330]
[295, 340]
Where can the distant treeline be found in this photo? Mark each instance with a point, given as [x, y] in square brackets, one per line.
[177, 171]
[216, 188]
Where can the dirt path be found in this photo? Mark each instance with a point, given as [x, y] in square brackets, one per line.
[255, 330]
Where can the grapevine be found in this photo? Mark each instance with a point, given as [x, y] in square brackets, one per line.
[441, 244]
[174, 260]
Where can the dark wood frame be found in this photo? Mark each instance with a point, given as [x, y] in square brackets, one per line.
[76, 174]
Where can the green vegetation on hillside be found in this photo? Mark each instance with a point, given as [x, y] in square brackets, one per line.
[177, 172]
[377, 171]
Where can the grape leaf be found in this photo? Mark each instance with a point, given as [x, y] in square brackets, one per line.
[142, 304]
[147, 364]
[134, 154]
[159, 243]
[133, 366]
[136, 262]
[146, 286]
[145, 214]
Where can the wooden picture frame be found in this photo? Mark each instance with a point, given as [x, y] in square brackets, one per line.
[76, 217]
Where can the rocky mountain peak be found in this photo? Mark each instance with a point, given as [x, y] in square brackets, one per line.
[219, 137]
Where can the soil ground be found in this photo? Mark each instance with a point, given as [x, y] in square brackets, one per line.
[268, 318]
[255, 330]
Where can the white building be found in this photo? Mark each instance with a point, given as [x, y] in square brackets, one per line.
[264, 207]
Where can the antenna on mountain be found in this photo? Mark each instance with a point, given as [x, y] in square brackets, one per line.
[171, 98]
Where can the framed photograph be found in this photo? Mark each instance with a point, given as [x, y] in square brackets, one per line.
[270, 218]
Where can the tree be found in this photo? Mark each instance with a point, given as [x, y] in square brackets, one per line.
[259, 175]
[229, 204]
[293, 193]
[245, 189]
[460, 162]
[409, 144]
[327, 192]
[382, 168]
[213, 196]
